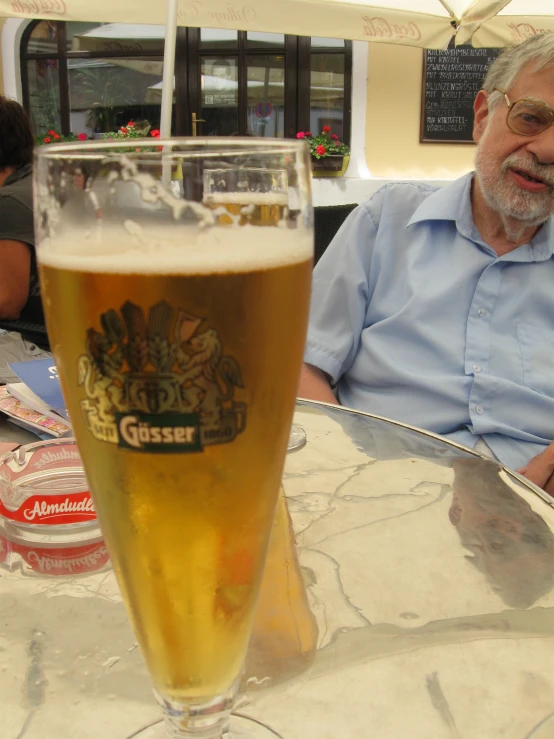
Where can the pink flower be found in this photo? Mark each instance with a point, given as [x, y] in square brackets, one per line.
[326, 129]
[320, 150]
[308, 133]
[300, 135]
[82, 136]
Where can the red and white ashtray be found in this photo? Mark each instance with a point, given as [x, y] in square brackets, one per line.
[53, 559]
[43, 489]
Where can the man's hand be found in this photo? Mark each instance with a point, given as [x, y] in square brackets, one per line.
[15, 275]
[540, 469]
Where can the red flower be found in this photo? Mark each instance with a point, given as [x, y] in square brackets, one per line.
[47, 139]
[334, 136]
[308, 133]
[320, 150]
[51, 133]
[56, 135]
[130, 124]
[326, 129]
[300, 135]
[155, 132]
[124, 129]
[82, 136]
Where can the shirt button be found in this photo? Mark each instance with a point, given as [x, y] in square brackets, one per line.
[477, 368]
[479, 409]
[481, 312]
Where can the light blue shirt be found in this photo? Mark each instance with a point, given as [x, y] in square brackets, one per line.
[416, 318]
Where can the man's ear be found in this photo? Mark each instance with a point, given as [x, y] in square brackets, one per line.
[481, 113]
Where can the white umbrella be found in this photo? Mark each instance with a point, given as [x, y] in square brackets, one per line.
[423, 23]
[487, 25]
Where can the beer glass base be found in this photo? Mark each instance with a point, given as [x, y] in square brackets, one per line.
[240, 727]
[297, 438]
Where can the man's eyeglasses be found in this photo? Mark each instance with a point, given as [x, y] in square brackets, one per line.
[527, 117]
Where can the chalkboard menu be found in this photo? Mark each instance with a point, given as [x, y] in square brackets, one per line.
[451, 80]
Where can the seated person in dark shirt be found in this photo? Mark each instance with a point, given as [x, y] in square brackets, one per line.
[20, 303]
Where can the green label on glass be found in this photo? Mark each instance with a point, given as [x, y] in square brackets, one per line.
[165, 434]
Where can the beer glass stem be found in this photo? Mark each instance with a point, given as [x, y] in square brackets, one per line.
[202, 720]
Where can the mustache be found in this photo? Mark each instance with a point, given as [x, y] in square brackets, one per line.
[544, 172]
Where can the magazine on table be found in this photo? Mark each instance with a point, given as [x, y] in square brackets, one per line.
[41, 378]
[30, 419]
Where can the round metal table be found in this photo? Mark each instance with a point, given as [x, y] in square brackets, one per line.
[427, 577]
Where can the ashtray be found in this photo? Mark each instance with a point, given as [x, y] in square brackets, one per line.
[44, 494]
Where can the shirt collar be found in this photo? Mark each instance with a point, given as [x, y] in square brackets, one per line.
[453, 203]
[447, 203]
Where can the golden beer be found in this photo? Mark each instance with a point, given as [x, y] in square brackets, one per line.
[284, 632]
[179, 368]
[256, 209]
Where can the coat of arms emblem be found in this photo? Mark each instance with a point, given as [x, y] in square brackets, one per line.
[157, 383]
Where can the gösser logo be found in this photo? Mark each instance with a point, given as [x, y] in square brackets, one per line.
[159, 433]
[159, 381]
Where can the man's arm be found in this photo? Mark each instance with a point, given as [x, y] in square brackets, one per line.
[540, 469]
[314, 385]
[15, 275]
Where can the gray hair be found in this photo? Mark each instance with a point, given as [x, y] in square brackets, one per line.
[505, 69]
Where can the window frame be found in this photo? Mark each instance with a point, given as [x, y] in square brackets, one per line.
[297, 64]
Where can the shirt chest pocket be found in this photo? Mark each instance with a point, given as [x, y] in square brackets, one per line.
[537, 354]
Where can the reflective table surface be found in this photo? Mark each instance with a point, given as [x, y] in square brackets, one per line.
[419, 603]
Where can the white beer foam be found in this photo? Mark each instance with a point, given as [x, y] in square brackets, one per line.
[177, 250]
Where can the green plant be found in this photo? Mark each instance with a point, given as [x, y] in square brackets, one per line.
[53, 137]
[325, 144]
[138, 130]
[110, 91]
[132, 130]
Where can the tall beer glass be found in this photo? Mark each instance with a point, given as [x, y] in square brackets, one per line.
[179, 336]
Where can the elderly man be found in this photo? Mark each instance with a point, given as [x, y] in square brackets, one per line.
[436, 307]
[20, 304]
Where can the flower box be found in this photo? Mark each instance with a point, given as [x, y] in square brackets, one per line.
[332, 162]
[318, 172]
[329, 155]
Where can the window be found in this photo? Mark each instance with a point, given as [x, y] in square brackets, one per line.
[95, 77]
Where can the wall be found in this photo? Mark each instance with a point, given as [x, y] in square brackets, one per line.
[386, 100]
[2, 21]
[393, 112]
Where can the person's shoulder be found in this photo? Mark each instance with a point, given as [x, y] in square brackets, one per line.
[16, 221]
[20, 192]
[13, 206]
[398, 200]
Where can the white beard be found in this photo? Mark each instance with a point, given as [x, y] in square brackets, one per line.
[505, 197]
